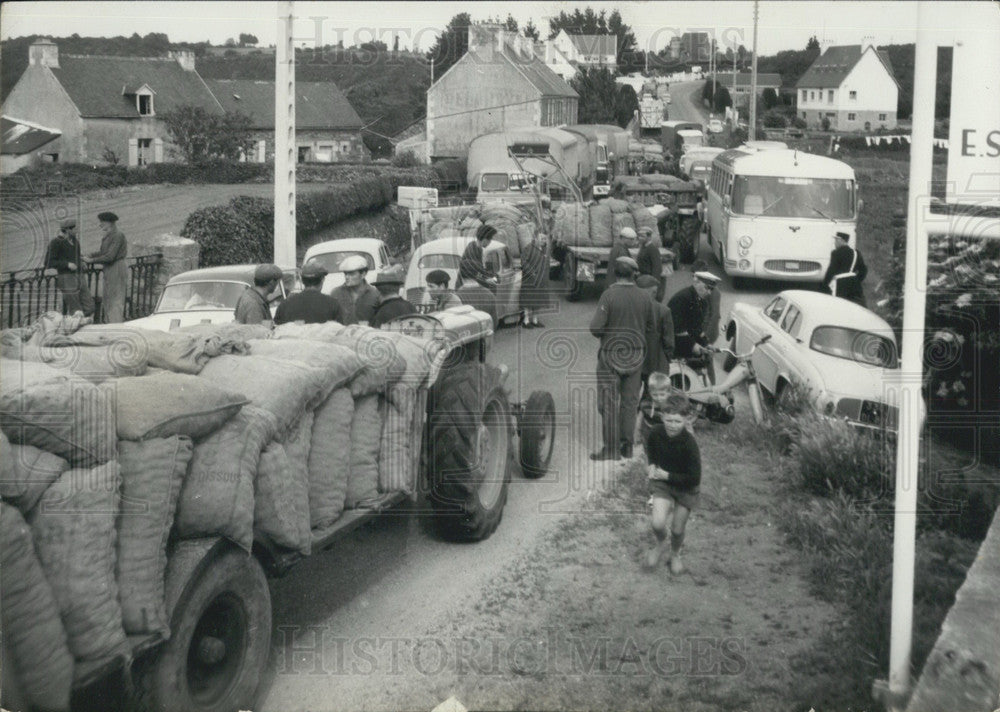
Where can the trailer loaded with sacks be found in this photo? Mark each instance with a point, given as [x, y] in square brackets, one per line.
[582, 236]
[151, 481]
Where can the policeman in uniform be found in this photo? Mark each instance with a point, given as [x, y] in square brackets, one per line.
[358, 300]
[623, 318]
[393, 305]
[846, 272]
[252, 306]
[689, 308]
[309, 306]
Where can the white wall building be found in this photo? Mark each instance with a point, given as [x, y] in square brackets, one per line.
[855, 89]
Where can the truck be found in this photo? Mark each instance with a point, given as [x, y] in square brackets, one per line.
[652, 112]
[489, 160]
[675, 205]
[611, 145]
[674, 143]
[215, 592]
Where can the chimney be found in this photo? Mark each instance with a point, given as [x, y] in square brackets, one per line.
[184, 57]
[484, 39]
[44, 53]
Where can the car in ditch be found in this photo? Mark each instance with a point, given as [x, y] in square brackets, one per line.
[842, 354]
[330, 254]
[208, 296]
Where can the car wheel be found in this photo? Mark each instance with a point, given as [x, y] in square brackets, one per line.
[538, 429]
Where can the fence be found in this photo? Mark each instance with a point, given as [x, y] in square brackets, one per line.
[27, 294]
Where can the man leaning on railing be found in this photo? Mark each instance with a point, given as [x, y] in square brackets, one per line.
[63, 255]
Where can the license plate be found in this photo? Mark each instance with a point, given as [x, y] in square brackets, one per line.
[791, 265]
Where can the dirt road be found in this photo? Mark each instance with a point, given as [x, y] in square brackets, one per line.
[553, 611]
[27, 224]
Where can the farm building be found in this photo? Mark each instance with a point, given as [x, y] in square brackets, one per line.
[854, 88]
[23, 142]
[499, 83]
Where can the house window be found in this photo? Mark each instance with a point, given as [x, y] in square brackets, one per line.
[345, 147]
[881, 117]
[852, 116]
[303, 154]
[852, 95]
[829, 96]
[803, 114]
[144, 103]
[804, 98]
[144, 155]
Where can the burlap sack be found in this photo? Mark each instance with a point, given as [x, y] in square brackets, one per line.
[366, 438]
[309, 332]
[26, 472]
[330, 458]
[73, 528]
[152, 473]
[615, 205]
[174, 351]
[125, 356]
[571, 225]
[395, 471]
[601, 234]
[418, 356]
[33, 634]
[281, 501]
[56, 411]
[619, 221]
[359, 355]
[163, 404]
[217, 495]
[643, 218]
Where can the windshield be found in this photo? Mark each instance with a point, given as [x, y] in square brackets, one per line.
[860, 346]
[502, 182]
[440, 261]
[331, 260]
[198, 296]
[783, 197]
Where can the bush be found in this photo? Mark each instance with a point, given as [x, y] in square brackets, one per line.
[407, 159]
[774, 120]
[798, 122]
[834, 457]
[229, 235]
[825, 124]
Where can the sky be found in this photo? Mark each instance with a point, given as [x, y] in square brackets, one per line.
[782, 25]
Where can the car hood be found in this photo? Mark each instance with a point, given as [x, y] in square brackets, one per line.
[161, 321]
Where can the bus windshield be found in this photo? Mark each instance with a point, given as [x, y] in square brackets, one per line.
[786, 197]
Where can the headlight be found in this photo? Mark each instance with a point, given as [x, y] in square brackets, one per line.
[745, 241]
[744, 265]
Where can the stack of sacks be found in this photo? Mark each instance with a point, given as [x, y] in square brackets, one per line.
[366, 439]
[395, 471]
[511, 222]
[643, 217]
[601, 224]
[571, 225]
[57, 411]
[621, 217]
[329, 463]
[173, 351]
[26, 472]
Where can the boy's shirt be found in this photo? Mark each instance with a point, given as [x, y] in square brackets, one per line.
[678, 455]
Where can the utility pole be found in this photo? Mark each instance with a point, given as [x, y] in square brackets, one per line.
[285, 157]
[432, 70]
[753, 77]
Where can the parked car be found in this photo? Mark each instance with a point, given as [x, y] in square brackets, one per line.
[332, 252]
[445, 253]
[841, 353]
[206, 296]
[715, 126]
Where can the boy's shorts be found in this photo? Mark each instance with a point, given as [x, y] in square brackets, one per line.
[688, 499]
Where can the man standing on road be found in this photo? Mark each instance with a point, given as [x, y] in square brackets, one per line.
[472, 266]
[650, 261]
[252, 307]
[111, 256]
[689, 308]
[620, 248]
[846, 272]
[358, 299]
[310, 305]
[392, 306]
[63, 255]
[659, 342]
[623, 318]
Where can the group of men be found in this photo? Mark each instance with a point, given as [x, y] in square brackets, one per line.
[64, 256]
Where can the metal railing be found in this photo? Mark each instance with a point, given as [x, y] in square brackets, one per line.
[27, 294]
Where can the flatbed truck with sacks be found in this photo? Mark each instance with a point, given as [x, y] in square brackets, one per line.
[152, 481]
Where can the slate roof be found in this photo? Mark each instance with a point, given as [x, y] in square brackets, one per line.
[318, 105]
[20, 136]
[95, 85]
[595, 44]
[832, 67]
[547, 82]
[743, 79]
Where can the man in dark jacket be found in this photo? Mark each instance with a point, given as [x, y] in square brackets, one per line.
[252, 307]
[650, 261]
[623, 318]
[660, 341]
[472, 266]
[63, 255]
[111, 257]
[358, 299]
[310, 305]
[619, 248]
[393, 305]
[846, 272]
[689, 308]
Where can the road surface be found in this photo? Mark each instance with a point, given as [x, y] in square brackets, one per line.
[685, 102]
[353, 623]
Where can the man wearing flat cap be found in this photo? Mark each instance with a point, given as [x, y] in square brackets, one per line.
[358, 299]
[623, 318]
[63, 255]
[393, 305]
[252, 307]
[846, 272]
[625, 239]
[650, 260]
[111, 257]
[309, 306]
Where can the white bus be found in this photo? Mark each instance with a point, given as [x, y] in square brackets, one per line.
[772, 214]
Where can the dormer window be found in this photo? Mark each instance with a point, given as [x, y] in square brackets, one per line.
[144, 103]
[143, 98]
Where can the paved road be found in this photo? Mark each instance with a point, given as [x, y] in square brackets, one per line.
[685, 102]
[392, 585]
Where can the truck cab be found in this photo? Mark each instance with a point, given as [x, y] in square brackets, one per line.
[502, 184]
[603, 172]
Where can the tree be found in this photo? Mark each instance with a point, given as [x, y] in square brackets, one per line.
[230, 42]
[510, 24]
[247, 40]
[201, 136]
[770, 98]
[530, 31]
[602, 100]
[627, 103]
[813, 45]
[626, 38]
[451, 44]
